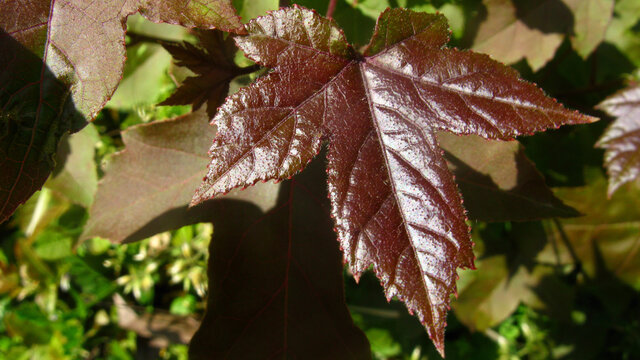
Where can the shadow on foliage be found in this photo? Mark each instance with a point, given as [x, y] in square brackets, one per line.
[597, 317]
[275, 280]
[36, 109]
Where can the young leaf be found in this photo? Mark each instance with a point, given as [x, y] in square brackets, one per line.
[275, 280]
[213, 64]
[395, 204]
[498, 182]
[154, 176]
[61, 61]
[622, 139]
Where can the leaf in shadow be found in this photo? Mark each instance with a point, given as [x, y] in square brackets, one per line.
[275, 281]
[60, 63]
[212, 60]
[498, 182]
[611, 225]
[35, 111]
[149, 184]
[506, 273]
[523, 29]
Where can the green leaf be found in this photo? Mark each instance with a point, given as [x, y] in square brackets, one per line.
[75, 176]
[591, 19]
[183, 305]
[52, 245]
[610, 229]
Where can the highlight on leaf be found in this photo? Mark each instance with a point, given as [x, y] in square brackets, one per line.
[394, 202]
[621, 140]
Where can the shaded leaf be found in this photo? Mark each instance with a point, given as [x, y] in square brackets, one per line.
[155, 175]
[75, 175]
[534, 30]
[609, 232]
[498, 182]
[395, 204]
[507, 275]
[491, 295]
[212, 62]
[275, 281]
[61, 61]
[621, 140]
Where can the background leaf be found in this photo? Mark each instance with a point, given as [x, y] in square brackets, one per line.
[52, 84]
[75, 175]
[155, 175]
[498, 182]
[276, 281]
[591, 18]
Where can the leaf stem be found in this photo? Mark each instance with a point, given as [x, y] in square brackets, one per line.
[247, 70]
[136, 38]
[331, 8]
[577, 263]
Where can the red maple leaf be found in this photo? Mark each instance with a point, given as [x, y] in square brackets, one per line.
[394, 201]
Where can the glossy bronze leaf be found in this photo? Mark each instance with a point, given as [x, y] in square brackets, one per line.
[622, 138]
[394, 201]
[60, 62]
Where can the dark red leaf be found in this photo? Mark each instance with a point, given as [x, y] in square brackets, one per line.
[60, 63]
[622, 138]
[276, 287]
[394, 201]
[212, 62]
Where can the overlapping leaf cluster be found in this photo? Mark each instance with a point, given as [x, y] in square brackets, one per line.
[396, 116]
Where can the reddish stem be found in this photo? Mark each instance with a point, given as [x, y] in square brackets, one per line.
[332, 7]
